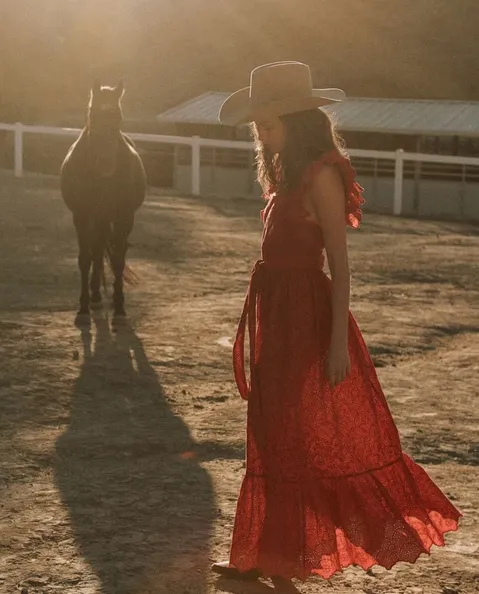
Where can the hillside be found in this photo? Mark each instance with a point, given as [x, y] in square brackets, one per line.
[170, 50]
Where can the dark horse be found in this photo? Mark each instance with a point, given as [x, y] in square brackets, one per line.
[103, 183]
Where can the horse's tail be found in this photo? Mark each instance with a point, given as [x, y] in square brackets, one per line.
[129, 276]
[103, 280]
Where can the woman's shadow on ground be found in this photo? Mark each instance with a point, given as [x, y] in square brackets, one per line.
[140, 504]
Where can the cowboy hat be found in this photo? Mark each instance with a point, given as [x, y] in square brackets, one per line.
[276, 89]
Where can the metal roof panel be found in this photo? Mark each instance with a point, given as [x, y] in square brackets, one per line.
[399, 116]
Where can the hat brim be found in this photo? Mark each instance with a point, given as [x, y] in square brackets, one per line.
[237, 110]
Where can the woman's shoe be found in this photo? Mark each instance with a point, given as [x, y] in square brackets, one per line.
[284, 586]
[228, 571]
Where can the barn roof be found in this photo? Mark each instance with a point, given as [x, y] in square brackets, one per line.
[357, 114]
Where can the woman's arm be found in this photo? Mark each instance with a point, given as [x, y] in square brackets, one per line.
[328, 204]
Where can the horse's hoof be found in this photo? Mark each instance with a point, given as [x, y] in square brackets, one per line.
[82, 318]
[119, 310]
[119, 320]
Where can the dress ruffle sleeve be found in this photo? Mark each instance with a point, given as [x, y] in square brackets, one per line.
[354, 192]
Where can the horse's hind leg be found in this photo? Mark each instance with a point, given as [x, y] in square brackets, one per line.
[99, 239]
[122, 227]
[84, 261]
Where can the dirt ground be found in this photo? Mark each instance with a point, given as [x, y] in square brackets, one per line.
[122, 452]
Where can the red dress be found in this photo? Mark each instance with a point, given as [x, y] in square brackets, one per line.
[327, 484]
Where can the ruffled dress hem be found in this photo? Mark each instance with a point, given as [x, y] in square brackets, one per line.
[380, 517]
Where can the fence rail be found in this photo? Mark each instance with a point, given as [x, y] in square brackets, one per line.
[398, 157]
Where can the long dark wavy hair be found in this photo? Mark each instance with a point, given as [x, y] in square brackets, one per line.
[309, 134]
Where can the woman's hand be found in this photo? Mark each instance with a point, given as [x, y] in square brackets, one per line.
[338, 364]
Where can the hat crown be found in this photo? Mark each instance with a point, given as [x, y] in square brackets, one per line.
[280, 80]
[276, 89]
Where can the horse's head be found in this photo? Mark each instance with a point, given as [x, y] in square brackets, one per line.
[103, 123]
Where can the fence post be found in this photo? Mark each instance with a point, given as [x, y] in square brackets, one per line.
[398, 182]
[195, 165]
[462, 191]
[18, 149]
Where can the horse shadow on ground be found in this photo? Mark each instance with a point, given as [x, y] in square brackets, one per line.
[141, 506]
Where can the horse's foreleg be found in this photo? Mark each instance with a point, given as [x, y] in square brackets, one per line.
[122, 228]
[84, 261]
[95, 283]
[100, 237]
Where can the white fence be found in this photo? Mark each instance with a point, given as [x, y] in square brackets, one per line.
[196, 143]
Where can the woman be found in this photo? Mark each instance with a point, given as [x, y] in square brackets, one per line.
[327, 484]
